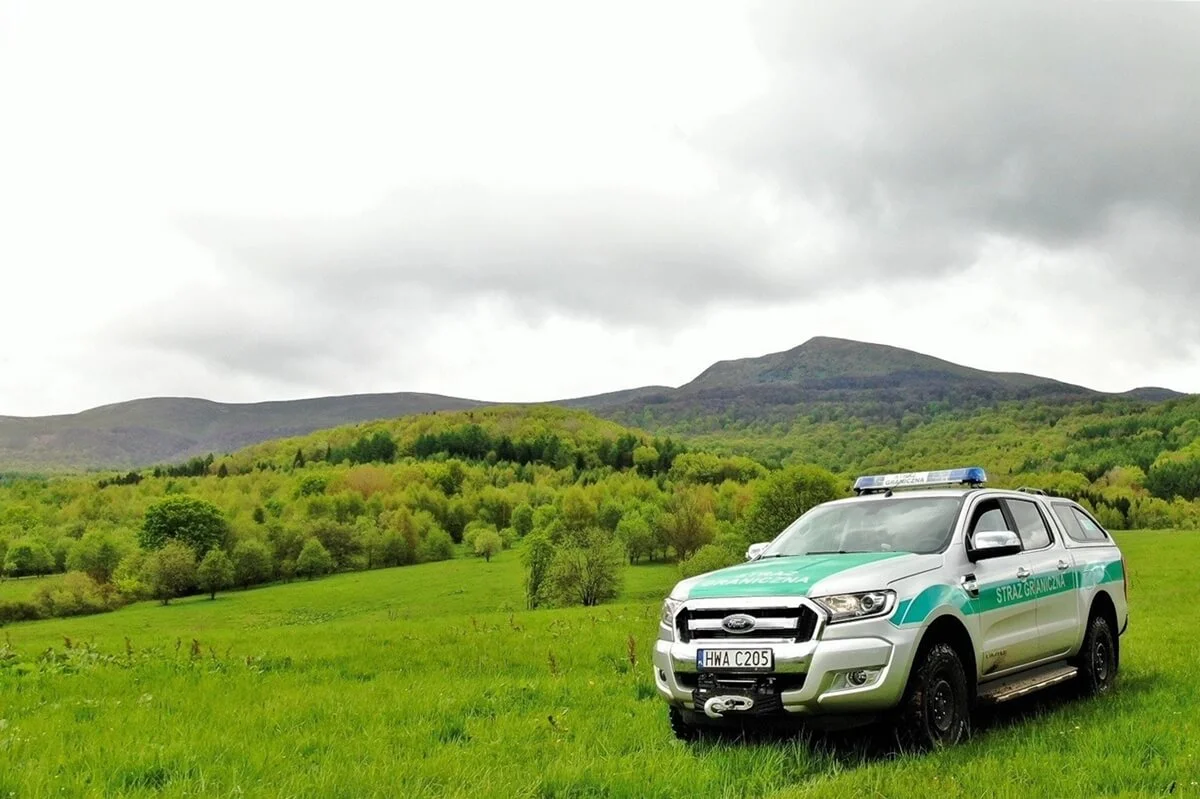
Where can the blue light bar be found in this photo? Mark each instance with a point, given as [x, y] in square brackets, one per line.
[881, 482]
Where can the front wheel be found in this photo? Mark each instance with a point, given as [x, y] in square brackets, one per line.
[683, 729]
[935, 710]
[1097, 659]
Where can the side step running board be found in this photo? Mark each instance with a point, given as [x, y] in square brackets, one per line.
[1026, 682]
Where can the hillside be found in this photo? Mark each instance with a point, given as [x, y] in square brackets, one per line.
[823, 379]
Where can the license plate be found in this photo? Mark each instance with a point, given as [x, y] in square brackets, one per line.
[735, 659]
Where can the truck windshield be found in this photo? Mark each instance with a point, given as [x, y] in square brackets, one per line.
[922, 525]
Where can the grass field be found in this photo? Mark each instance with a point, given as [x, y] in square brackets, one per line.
[24, 587]
[433, 681]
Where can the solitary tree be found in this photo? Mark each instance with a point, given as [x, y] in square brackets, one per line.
[488, 543]
[314, 560]
[195, 522]
[215, 572]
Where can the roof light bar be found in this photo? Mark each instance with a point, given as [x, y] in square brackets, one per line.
[971, 476]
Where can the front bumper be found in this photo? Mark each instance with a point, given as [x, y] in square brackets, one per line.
[810, 676]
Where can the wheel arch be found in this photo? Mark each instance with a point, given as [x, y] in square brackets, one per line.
[950, 629]
[1104, 606]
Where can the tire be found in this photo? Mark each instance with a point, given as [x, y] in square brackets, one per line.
[684, 730]
[936, 708]
[1098, 659]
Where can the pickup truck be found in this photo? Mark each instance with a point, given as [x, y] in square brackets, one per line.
[921, 597]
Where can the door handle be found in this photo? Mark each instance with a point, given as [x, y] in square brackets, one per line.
[1022, 573]
[1063, 565]
[969, 585]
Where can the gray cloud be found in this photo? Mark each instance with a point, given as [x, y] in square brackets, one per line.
[897, 138]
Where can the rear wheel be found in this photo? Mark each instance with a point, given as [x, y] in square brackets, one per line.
[683, 729]
[1097, 659]
[935, 710]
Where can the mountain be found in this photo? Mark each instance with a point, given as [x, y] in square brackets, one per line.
[168, 429]
[824, 377]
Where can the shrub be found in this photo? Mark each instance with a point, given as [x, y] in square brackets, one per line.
[709, 557]
[76, 594]
[28, 556]
[18, 610]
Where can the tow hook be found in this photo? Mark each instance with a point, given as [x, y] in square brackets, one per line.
[717, 706]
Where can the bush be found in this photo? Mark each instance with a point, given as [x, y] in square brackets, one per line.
[18, 610]
[76, 594]
[709, 557]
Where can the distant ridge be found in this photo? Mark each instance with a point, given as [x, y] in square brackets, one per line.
[829, 375]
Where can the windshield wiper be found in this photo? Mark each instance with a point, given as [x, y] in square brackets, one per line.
[836, 552]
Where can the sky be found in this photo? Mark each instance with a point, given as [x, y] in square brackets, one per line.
[517, 201]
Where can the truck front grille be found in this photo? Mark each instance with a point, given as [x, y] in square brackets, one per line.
[798, 623]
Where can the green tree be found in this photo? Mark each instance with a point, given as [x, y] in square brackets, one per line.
[539, 553]
[28, 556]
[195, 522]
[98, 554]
[169, 571]
[522, 519]
[252, 563]
[634, 532]
[588, 572]
[488, 543]
[314, 560]
[215, 572]
[690, 523]
[784, 496]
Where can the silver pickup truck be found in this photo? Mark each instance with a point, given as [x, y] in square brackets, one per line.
[910, 606]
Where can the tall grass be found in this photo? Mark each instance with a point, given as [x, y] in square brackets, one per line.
[435, 681]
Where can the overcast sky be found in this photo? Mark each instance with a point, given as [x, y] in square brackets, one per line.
[250, 200]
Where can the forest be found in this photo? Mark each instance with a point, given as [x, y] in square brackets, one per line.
[585, 498]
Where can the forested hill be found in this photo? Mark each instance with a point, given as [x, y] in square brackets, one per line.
[822, 380]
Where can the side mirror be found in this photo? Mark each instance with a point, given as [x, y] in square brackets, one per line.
[994, 544]
[756, 549]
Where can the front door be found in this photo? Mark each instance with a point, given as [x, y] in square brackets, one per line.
[1007, 621]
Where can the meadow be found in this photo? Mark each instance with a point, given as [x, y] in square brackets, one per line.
[433, 680]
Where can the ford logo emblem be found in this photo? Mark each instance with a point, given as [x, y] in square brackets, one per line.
[738, 623]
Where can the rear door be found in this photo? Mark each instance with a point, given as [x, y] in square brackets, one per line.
[1007, 624]
[1053, 583]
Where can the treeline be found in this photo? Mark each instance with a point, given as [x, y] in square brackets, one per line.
[304, 516]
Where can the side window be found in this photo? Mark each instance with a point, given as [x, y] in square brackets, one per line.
[1070, 521]
[1030, 524]
[1091, 530]
[987, 517]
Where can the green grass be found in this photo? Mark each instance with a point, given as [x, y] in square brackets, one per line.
[14, 588]
[433, 681]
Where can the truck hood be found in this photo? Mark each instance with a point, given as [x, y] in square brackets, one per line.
[807, 575]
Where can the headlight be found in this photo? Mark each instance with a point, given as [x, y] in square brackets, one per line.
[848, 607]
[669, 609]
